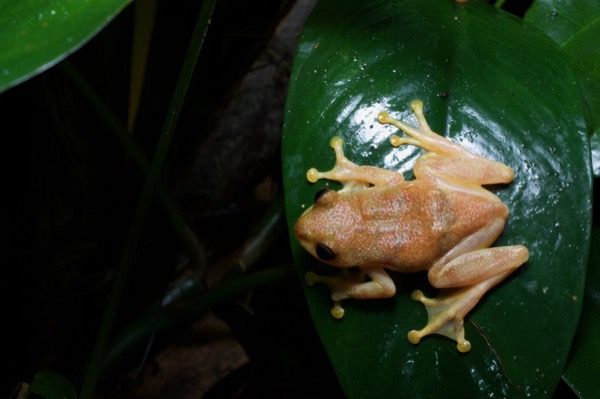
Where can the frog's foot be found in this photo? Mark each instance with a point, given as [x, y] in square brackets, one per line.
[422, 135]
[446, 313]
[350, 174]
[372, 283]
[340, 285]
[343, 171]
[446, 317]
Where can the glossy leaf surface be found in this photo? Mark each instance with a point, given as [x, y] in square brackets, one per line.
[575, 26]
[502, 91]
[595, 147]
[36, 34]
[582, 368]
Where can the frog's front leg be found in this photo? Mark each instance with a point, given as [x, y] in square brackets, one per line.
[352, 175]
[422, 135]
[349, 284]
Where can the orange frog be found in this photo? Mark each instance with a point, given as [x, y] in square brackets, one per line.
[443, 221]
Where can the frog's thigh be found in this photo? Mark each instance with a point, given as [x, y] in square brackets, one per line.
[478, 266]
[474, 170]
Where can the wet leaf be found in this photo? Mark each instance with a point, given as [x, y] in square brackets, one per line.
[499, 89]
[583, 364]
[36, 34]
[575, 26]
[595, 147]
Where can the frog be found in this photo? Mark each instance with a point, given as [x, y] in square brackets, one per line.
[443, 222]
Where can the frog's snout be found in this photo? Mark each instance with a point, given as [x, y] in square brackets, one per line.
[300, 230]
[303, 230]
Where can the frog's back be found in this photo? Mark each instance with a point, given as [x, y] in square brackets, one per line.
[413, 226]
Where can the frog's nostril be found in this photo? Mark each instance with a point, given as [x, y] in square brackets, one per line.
[324, 252]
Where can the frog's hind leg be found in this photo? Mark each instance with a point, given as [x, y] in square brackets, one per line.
[464, 172]
[447, 162]
[468, 271]
[477, 272]
[422, 135]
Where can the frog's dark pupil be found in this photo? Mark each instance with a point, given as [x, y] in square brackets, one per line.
[324, 252]
[320, 193]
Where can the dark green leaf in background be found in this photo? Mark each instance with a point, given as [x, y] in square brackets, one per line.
[582, 368]
[501, 90]
[50, 385]
[575, 26]
[36, 34]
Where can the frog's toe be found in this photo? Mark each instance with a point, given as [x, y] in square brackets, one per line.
[311, 278]
[313, 175]
[417, 296]
[414, 337]
[337, 311]
[464, 346]
[338, 286]
[444, 318]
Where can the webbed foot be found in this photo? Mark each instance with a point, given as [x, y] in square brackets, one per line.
[351, 175]
[446, 315]
[422, 135]
[343, 170]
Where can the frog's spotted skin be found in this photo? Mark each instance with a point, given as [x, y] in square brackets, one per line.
[443, 221]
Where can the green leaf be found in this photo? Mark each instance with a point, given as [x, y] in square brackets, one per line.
[595, 147]
[36, 34]
[51, 385]
[582, 368]
[501, 90]
[575, 26]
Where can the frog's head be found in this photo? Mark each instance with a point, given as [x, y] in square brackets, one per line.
[326, 229]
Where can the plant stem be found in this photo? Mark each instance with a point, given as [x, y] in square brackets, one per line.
[91, 378]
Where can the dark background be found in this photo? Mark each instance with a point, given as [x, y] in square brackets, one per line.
[71, 190]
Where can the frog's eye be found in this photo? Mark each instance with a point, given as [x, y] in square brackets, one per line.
[320, 193]
[324, 252]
